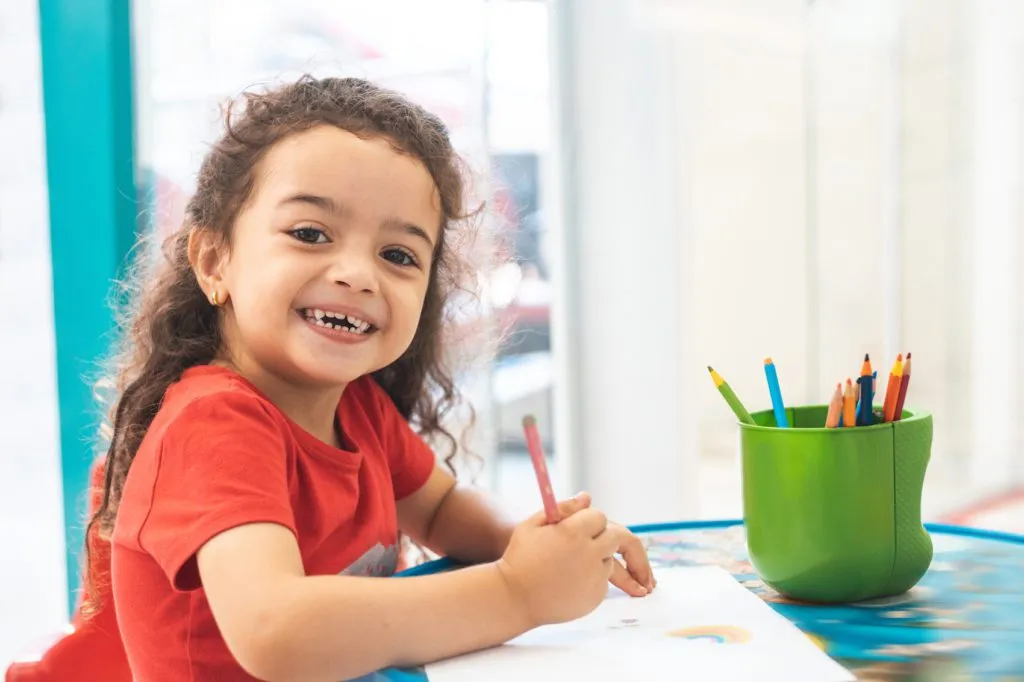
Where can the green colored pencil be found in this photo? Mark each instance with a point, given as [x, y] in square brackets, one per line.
[730, 397]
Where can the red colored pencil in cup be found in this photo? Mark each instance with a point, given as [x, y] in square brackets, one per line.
[540, 468]
[892, 389]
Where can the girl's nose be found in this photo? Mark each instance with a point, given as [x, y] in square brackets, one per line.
[356, 272]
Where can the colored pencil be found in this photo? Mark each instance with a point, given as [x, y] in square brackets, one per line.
[835, 408]
[776, 394]
[540, 468]
[892, 389]
[849, 405]
[897, 412]
[867, 395]
[874, 388]
[730, 397]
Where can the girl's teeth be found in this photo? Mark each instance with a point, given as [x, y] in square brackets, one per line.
[356, 326]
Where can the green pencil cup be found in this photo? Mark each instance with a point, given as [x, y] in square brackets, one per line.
[834, 515]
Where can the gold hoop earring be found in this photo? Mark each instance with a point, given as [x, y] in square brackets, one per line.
[215, 299]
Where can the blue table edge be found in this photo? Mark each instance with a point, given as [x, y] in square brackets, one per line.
[445, 563]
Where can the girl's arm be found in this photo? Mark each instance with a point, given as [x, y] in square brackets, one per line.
[280, 624]
[455, 520]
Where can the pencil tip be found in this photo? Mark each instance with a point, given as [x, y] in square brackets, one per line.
[866, 357]
[529, 420]
[710, 369]
[767, 361]
[908, 356]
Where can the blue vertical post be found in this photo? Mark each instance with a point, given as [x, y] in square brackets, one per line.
[88, 106]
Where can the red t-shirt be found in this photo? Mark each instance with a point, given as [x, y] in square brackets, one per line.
[219, 454]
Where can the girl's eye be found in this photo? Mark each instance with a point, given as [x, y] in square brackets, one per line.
[399, 257]
[310, 235]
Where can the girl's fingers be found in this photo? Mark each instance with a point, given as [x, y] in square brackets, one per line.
[622, 579]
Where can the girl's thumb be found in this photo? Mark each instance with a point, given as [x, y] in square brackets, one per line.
[574, 504]
[566, 508]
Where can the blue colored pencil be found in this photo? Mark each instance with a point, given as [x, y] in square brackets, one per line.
[776, 394]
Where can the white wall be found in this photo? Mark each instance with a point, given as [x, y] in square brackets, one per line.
[995, 220]
[621, 267]
[31, 525]
[809, 184]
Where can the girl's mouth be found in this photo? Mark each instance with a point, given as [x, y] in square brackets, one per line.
[333, 320]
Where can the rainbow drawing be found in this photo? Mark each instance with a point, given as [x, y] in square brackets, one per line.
[719, 634]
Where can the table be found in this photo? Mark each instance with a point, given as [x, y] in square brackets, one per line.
[964, 620]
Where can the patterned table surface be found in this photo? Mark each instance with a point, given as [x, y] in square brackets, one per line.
[964, 620]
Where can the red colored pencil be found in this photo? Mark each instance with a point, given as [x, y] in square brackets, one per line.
[540, 468]
[904, 380]
[892, 389]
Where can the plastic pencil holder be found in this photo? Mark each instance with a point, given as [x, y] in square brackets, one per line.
[834, 515]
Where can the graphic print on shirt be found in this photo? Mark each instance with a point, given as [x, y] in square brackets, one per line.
[378, 561]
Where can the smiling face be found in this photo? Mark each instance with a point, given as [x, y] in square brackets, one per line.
[329, 260]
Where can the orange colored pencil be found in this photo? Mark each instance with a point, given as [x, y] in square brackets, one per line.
[892, 390]
[865, 368]
[849, 405]
[866, 381]
[897, 412]
[835, 407]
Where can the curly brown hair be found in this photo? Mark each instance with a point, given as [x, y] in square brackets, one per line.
[169, 325]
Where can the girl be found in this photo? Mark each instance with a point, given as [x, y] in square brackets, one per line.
[262, 463]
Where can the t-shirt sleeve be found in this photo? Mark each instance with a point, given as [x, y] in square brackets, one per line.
[223, 463]
[410, 459]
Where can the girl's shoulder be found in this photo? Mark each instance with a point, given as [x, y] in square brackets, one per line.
[217, 396]
[215, 399]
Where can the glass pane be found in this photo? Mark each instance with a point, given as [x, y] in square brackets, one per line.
[481, 66]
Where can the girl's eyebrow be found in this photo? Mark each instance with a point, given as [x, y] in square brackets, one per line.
[324, 203]
[329, 205]
[399, 225]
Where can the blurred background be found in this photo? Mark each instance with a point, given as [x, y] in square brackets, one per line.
[684, 182]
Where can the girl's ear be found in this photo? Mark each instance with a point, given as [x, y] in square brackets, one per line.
[207, 254]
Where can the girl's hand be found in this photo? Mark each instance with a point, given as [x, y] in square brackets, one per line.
[560, 571]
[635, 578]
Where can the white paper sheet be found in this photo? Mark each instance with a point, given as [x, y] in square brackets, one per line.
[698, 624]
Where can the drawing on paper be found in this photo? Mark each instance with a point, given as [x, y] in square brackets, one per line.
[624, 623]
[685, 626]
[719, 634]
